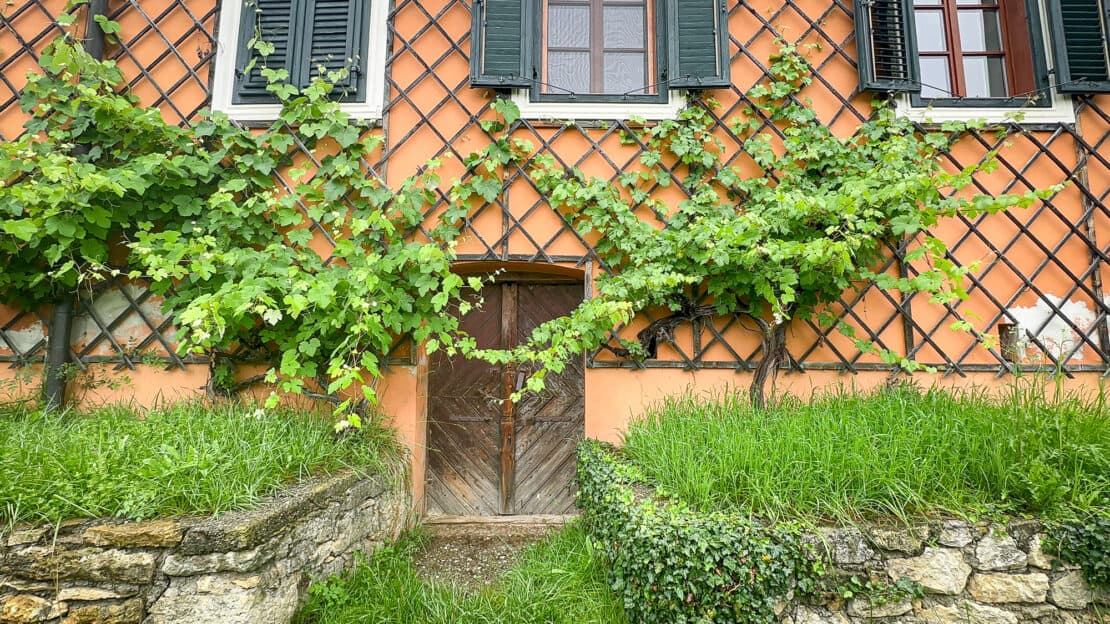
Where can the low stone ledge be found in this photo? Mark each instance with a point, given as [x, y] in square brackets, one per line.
[971, 573]
[244, 567]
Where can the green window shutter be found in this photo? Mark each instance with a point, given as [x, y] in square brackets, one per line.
[698, 43]
[335, 38]
[272, 21]
[501, 43]
[1079, 45]
[885, 45]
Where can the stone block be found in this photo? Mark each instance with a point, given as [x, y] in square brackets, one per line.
[114, 566]
[998, 551]
[956, 533]
[27, 608]
[938, 570]
[153, 534]
[1070, 591]
[818, 615]
[129, 612]
[91, 594]
[907, 540]
[995, 587]
[847, 545]
[26, 535]
[967, 612]
[238, 561]
[1037, 557]
[862, 608]
[222, 598]
[1023, 530]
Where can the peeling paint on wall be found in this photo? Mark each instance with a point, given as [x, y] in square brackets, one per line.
[1052, 329]
[110, 306]
[24, 339]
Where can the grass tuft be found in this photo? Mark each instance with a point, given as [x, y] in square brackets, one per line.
[560, 580]
[897, 452]
[187, 458]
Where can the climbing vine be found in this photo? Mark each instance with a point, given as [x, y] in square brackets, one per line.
[282, 245]
[311, 266]
[328, 270]
[768, 248]
[92, 170]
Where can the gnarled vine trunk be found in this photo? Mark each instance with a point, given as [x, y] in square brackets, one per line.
[772, 339]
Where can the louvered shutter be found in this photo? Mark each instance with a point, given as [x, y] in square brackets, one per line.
[885, 45]
[1079, 45]
[500, 43]
[698, 37]
[335, 38]
[272, 21]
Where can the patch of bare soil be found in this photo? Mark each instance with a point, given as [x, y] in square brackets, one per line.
[475, 555]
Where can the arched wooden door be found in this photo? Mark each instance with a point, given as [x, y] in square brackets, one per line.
[487, 456]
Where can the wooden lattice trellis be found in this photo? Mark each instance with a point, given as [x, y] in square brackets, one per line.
[1050, 256]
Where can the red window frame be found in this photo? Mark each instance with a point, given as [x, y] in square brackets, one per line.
[1016, 51]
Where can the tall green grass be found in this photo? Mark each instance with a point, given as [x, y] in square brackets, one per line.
[560, 580]
[188, 458]
[897, 452]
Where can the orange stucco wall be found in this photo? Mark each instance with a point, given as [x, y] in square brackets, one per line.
[167, 52]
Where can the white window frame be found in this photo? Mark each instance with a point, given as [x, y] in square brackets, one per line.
[1062, 109]
[599, 111]
[223, 83]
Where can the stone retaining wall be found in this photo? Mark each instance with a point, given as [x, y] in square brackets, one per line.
[248, 567]
[971, 574]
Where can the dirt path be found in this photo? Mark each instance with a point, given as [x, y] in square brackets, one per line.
[473, 555]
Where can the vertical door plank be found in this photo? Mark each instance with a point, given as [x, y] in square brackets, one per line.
[549, 424]
[508, 380]
[464, 414]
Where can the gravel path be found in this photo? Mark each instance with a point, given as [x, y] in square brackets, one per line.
[475, 555]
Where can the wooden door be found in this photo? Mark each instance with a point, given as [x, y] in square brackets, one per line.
[487, 456]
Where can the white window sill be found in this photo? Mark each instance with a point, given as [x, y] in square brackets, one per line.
[1061, 111]
[358, 111]
[597, 111]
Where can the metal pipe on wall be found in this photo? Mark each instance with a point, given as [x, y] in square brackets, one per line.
[61, 315]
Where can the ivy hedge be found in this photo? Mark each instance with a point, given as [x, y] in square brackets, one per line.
[1086, 543]
[673, 565]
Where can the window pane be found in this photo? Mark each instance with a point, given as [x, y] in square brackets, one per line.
[568, 26]
[935, 81]
[624, 26]
[624, 73]
[980, 31]
[986, 2]
[985, 76]
[930, 31]
[927, 2]
[568, 72]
